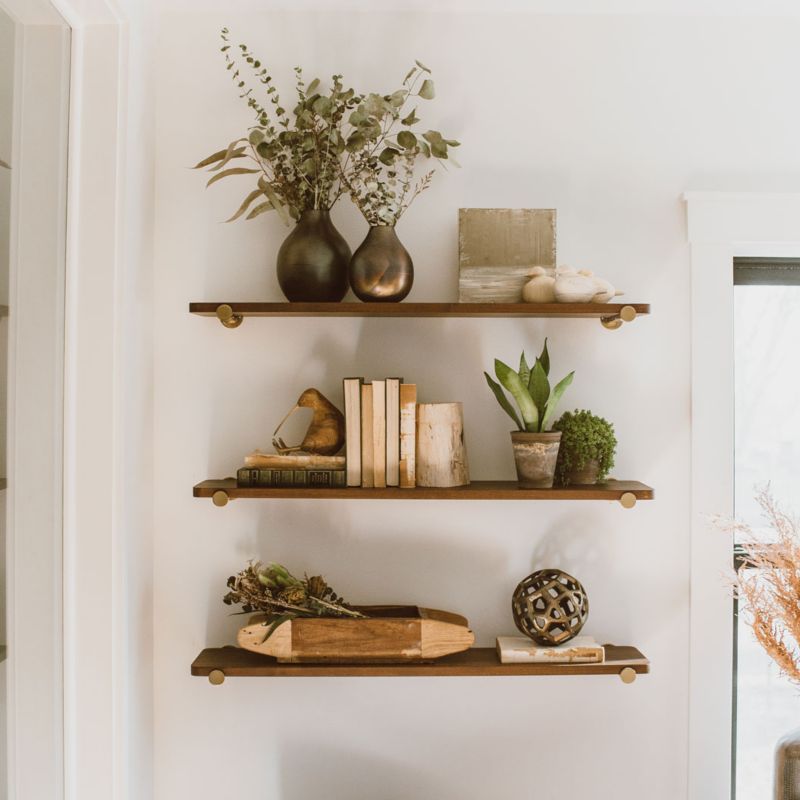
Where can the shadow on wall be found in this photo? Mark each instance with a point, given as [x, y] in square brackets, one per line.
[339, 774]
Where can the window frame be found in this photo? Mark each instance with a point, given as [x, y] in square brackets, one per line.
[720, 227]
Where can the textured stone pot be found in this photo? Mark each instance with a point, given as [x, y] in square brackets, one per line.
[313, 259]
[381, 270]
[587, 475]
[787, 767]
[535, 455]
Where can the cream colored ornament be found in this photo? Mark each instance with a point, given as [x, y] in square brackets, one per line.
[605, 291]
[539, 289]
[573, 287]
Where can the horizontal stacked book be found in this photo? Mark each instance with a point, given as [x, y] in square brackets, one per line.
[521, 650]
[300, 470]
[380, 430]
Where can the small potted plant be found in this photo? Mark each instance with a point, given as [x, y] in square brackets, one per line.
[587, 450]
[535, 447]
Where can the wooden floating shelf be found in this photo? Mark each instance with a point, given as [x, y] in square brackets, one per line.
[626, 492]
[612, 314]
[232, 662]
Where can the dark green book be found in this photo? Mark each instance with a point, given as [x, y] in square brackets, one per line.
[301, 478]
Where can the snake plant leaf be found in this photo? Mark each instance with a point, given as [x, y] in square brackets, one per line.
[545, 359]
[555, 396]
[503, 400]
[265, 187]
[539, 387]
[245, 204]
[524, 370]
[510, 380]
[232, 171]
[231, 152]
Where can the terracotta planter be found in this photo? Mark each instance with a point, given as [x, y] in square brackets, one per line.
[587, 475]
[535, 455]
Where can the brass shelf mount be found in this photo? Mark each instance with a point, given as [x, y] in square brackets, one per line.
[628, 500]
[626, 675]
[226, 316]
[220, 498]
[626, 314]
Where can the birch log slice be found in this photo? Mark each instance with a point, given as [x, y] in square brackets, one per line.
[441, 453]
[389, 634]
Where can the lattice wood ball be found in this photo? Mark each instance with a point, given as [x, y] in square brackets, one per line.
[550, 606]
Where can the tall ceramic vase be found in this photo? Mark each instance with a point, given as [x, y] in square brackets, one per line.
[313, 259]
[381, 270]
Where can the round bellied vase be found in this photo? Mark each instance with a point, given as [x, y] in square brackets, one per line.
[313, 260]
[381, 270]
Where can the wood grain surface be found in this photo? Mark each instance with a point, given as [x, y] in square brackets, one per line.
[477, 661]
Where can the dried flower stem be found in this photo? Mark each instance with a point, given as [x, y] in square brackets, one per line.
[770, 589]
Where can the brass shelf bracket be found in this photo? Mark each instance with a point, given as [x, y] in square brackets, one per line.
[626, 314]
[226, 316]
[628, 500]
[220, 498]
[627, 675]
[217, 677]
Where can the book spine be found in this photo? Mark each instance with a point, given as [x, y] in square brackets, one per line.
[352, 419]
[379, 432]
[408, 435]
[300, 478]
[243, 477]
[367, 452]
[393, 431]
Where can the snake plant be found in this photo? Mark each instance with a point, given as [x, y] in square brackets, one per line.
[530, 387]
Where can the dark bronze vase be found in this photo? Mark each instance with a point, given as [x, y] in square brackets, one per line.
[381, 270]
[313, 259]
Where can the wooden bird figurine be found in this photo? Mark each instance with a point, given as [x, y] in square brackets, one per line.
[325, 434]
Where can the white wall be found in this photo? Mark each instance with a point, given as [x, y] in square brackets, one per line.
[606, 118]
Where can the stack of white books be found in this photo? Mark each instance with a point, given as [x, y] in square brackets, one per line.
[521, 650]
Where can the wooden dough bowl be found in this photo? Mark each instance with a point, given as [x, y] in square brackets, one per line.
[388, 634]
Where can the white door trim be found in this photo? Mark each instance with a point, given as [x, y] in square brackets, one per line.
[95, 672]
[721, 226]
[84, 756]
[35, 403]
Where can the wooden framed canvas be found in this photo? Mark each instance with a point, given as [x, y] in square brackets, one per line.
[497, 247]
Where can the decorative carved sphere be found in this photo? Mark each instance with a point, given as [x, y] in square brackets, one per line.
[550, 606]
